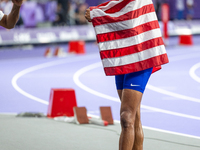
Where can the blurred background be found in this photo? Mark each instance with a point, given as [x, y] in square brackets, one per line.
[41, 13]
[63, 20]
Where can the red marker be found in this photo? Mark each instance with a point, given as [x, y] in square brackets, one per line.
[97, 121]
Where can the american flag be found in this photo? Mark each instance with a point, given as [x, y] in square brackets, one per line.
[128, 36]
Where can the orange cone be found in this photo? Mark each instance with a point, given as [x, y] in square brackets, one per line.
[48, 52]
[59, 52]
[77, 47]
[185, 40]
[61, 103]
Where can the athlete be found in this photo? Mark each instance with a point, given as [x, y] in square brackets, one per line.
[131, 54]
[9, 21]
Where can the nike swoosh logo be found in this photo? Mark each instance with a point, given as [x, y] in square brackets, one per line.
[134, 85]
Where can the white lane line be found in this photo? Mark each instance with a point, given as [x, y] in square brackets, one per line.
[96, 65]
[170, 112]
[192, 72]
[165, 92]
[78, 82]
[171, 132]
[42, 66]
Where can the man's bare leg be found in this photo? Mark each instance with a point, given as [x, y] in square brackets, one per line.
[130, 101]
[139, 135]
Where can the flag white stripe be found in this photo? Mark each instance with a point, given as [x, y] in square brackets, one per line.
[109, 5]
[133, 58]
[126, 42]
[128, 24]
[129, 7]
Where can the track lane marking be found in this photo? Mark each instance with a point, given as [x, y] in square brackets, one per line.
[98, 64]
[42, 66]
[192, 72]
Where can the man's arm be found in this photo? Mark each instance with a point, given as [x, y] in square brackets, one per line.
[9, 21]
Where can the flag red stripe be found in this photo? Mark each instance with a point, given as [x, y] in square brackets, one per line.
[139, 66]
[156, 68]
[130, 15]
[131, 49]
[118, 7]
[127, 33]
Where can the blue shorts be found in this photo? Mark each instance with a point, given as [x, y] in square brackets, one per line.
[134, 81]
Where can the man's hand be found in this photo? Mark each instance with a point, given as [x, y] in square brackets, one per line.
[87, 14]
[17, 2]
